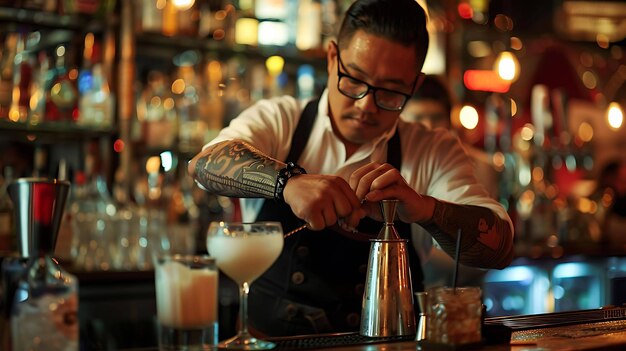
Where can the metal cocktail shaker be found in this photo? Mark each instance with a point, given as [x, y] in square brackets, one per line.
[39, 204]
[388, 299]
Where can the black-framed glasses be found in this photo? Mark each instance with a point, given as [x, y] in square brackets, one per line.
[386, 99]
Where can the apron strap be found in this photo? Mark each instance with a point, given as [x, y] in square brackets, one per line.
[303, 130]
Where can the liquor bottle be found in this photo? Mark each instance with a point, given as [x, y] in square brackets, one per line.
[306, 82]
[156, 113]
[192, 128]
[170, 19]
[22, 77]
[188, 19]
[61, 94]
[541, 221]
[213, 98]
[96, 101]
[6, 73]
[150, 13]
[216, 20]
[292, 21]
[309, 32]
[183, 215]
[38, 90]
[40, 162]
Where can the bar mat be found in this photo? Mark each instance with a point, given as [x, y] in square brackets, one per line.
[331, 340]
[558, 318]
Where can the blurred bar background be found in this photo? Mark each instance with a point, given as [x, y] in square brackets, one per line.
[116, 96]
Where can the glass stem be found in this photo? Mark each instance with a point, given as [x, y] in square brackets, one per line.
[243, 308]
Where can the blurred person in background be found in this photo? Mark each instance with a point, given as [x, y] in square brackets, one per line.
[431, 105]
[328, 165]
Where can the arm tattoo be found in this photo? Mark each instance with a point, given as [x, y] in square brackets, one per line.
[486, 240]
[235, 168]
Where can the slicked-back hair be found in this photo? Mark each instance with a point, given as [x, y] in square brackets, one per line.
[402, 21]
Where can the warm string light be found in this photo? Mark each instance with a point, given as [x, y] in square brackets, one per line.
[183, 5]
[615, 115]
[507, 66]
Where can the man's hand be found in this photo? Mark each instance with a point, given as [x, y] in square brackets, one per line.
[375, 182]
[322, 200]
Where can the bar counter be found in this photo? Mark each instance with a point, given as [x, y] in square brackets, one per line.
[592, 336]
[598, 329]
[103, 327]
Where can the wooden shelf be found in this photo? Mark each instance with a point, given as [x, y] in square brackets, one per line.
[17, 18]
[151, 45]
[52, 132]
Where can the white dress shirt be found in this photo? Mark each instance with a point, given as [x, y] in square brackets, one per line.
[433, 161]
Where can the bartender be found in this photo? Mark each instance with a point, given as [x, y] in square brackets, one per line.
[327, 164]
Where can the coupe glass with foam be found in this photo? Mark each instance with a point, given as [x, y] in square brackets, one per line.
[244, 251]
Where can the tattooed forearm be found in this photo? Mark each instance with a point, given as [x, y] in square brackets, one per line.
[235, 168]
[486, 239]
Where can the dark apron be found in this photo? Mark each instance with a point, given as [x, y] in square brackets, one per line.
[317, 283]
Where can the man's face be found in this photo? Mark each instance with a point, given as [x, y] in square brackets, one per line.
[378, 62]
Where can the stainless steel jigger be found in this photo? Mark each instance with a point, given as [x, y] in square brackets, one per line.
[39, 204]
[388, 299]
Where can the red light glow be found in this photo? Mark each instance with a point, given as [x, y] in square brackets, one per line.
[118, 145]
[485, 80]
[465, 10]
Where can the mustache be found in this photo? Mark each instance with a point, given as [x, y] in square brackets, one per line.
[363, 117]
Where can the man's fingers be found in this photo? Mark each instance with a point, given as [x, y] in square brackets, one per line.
[359, 173]
[366, 180]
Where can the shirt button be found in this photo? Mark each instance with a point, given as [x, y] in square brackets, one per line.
[359, 289]
[297, 278]
[302, 251]
[353, 319]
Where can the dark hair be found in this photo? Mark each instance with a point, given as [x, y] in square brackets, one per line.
[402, 21]
[432, 88]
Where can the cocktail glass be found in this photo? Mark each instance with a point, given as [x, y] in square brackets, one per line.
[243, 251]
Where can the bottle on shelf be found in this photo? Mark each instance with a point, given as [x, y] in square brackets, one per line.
[96, 101]
[217, 21]
[37, 103]
[22, 77]
[94, 241]
[170, 19]
[40, 162]
[183, 215]
[536, 204]
[309, 31]
[193, 114]
[149, 15]
[61, 92]
[188, 17]
[6, 73]
[157, 113]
